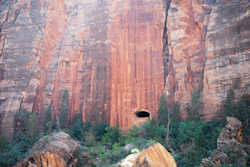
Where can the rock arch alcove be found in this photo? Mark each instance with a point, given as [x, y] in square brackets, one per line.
[141, 116]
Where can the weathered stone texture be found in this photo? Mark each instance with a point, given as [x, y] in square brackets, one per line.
[153, 156]
[209, 48]
[186, 32]
[57, 149]
[117, 57]
[107, 54]
[227, 53]
[229, 144]
[136, 56]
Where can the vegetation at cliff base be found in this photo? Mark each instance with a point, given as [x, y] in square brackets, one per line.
[188, 140]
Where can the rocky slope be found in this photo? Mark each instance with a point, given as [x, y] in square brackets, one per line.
[118, 57]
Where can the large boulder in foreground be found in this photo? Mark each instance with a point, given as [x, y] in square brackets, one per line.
[55, 150]
[154, 156]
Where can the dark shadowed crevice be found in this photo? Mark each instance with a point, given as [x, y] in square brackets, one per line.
[165, 52]
[142, 114]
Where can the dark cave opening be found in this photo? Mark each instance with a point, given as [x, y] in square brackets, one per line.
[142, 114]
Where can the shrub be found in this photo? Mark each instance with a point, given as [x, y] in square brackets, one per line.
[112, 135]
[153, 130]
[192, 139]
[26, 125]
[100, 129]
[3, 143]
[90, 139]
[133, 132]
[239, 109]
[195, 140]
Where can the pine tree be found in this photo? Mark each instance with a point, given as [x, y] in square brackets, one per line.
[77, 127]
[32, 126]
[194, 111]
[229, 105]
[64, 111]
[49, 124]
[163, 115]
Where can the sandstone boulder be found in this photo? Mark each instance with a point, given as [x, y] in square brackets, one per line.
[229, 146]
[154, 156]
[230, 135]
[55, 150]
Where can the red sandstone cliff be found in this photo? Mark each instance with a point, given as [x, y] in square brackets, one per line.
[209, 50]
[136, 59]
[107, 54]
[118, 57]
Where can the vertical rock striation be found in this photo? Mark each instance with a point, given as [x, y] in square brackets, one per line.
[19, 64]
[136, 59]
[117, 57]
[208, 44]
[186, 25]
[106, 54]
[227, 53]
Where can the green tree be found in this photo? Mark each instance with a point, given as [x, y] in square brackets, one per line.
[163, 115]
[173, 130]
[112, 135]
[32, 126]
[26, 124]
[77, 128]
[90, 139]
[64, 110]
[152, 130]
[3, 143]
[100, 129]
[238, 108]
[243, 113]
[25, 135]
[229, 106]
[196, 107]
[49, 124]
[21, 119]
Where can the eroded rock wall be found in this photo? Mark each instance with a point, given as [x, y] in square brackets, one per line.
[227, 53]
[208, 44]
[106, 54]
[117, 57]
[136, 59]
[186, 25]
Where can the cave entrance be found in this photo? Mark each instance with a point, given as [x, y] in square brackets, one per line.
[142, 114]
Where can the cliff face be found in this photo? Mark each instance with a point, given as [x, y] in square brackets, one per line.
[227, 51]
[118, 57]
[209, 48]
[186, 25]
[136, 59]
[106, 54]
